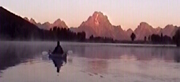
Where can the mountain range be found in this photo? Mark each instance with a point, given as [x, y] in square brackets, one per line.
[97, 24]
[47, 26]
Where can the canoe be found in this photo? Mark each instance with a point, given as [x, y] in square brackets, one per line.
[62, 57]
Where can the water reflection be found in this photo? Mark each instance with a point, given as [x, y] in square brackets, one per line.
[118, 63]
[11, 56]
[177, 56]
[140, 53]
[13, 53]
[58, 61]
[8, 58]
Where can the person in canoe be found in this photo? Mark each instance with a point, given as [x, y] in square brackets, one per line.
[58, 52]
[58, 49]
[58, 56]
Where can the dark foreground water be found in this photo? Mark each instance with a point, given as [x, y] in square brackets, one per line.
[24, 62]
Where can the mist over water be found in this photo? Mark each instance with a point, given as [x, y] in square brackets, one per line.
[23, 61]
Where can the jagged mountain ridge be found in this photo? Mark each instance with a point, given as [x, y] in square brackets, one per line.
[46, 25]
[99, 25]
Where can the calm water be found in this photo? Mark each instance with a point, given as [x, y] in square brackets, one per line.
[24, 62]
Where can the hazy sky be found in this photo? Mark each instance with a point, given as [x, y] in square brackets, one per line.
[127, 13]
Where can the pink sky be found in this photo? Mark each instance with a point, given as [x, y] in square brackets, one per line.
[127, 13]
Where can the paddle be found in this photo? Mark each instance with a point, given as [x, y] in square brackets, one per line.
[47, 53]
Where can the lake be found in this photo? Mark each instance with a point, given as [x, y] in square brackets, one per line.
[89, 62]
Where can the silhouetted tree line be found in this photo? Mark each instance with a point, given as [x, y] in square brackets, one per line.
[161, 39]
[17, 31]
[155, 38]
[101, 39]
[176, 38]
[63, 34]
[164, 39]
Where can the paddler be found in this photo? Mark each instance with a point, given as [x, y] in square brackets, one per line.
[58, 49]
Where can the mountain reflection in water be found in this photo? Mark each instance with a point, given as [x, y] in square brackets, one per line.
[13, 53]
[94, 59]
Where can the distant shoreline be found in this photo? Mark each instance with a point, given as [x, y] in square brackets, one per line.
[101, 44]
